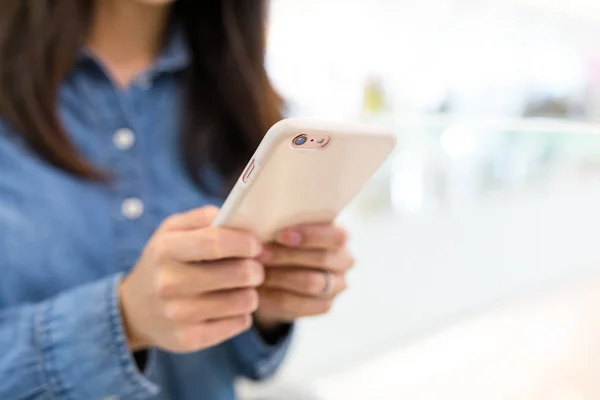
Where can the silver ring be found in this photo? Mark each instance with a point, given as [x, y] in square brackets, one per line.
[328, 289]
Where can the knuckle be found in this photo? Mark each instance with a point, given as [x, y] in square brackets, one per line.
[250, 246]
[313, 282]
[324, 258]
[210, 211]
[169, 310]
[214, 239]
[343, 284]
[175, 312]
[349, 260]
[245, 322]
[343, 237]
[171, 221]
[286, 302]
[325, 307]
[165, 284]
[250, 273]
[161, 250]
[243, 273]
[247, 300]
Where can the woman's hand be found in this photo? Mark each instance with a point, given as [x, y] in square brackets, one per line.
[305, 271]
[194, 285]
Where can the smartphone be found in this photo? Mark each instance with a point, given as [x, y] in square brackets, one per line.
[304, 171]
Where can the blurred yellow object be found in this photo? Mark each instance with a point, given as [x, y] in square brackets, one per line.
[374, 96]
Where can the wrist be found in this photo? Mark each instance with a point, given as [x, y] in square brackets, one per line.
[135, 340]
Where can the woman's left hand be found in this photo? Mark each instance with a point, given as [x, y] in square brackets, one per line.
[306, 270]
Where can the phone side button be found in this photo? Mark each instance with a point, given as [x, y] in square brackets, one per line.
[247, 175]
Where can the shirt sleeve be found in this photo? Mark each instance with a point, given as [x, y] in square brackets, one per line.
[256, 358]
[70, 346]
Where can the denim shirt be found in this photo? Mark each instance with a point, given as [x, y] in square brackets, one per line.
[66, 243]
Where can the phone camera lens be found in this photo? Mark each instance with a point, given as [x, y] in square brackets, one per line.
[300, 140]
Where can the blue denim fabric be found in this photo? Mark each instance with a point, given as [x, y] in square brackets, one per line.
[65, 245]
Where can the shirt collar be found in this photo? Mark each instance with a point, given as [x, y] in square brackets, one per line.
[175, 56]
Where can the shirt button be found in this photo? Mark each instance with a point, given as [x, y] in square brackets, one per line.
[124, 139]
[132, 208]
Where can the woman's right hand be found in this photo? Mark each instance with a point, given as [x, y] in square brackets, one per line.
[193, 287]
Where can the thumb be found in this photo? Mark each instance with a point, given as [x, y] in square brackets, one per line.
[195, 219]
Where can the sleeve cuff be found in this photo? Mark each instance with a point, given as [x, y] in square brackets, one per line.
[83, 345]
[260, 360]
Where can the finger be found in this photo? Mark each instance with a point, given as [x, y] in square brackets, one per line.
[211, 333]
[212, 306]
[211, 244]
[303, 281]
[319, 236]
[195, 219]
[290, 306]
[193, 279]
[335, 260]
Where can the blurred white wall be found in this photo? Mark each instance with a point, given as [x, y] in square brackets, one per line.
[584, 10]
[426, 52]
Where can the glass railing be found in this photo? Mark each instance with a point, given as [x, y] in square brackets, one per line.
[465, 216]
[447, 162]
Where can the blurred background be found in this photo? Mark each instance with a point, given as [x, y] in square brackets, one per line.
[478, 269]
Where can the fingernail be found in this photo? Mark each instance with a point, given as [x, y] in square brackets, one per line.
[291, 238]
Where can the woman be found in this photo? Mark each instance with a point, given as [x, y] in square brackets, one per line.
[121, 121]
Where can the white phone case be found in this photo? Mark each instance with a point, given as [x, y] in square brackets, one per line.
[284, 185]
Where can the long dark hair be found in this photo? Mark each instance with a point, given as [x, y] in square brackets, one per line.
[229, 100]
